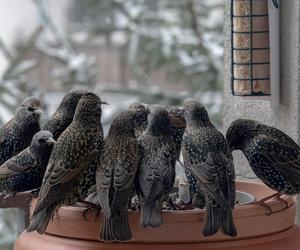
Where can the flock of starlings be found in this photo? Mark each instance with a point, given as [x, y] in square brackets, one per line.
[69, 154]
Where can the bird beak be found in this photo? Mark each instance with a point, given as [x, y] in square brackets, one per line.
[38, 111]
[104, 103]
[50, 141]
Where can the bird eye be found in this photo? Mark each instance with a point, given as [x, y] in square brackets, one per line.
[30, 109]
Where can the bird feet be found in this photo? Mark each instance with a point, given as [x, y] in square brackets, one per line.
[35, 193]
[186, 207]
[277, 196]
[90, 207]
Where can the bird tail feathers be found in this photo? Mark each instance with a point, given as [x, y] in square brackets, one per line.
[116, 229]
[211, 220]
[227, 223]
[41, 220]
[151, 215]
[218, 218]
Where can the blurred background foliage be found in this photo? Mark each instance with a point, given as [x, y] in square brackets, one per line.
[153, 51]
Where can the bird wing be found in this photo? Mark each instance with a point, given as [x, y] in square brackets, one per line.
[104, 176]
[206, 172]
[62, 170]
[6, 138]
[18, 164]
[284, 155]
[156, 166]
[124, 175]
[56, 125]
[227, 162]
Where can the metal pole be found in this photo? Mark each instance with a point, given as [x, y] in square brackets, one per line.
[274, 24]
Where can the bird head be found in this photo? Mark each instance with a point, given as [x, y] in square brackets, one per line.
[159, 122]
[70, 100]
[41, 140]
[89, 108]
[30, 109]
[141, 117]
[195, 113]
[136, 106]
[123, 124]
[239, 132]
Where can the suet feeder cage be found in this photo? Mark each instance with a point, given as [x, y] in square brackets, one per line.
[251, 47]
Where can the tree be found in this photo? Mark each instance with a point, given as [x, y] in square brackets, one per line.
[182, 37]
[14, 84]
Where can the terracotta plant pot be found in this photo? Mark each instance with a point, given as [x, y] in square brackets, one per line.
[181, 229]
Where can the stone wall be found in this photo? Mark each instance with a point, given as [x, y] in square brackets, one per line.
[285, 117]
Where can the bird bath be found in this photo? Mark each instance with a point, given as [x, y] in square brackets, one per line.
[181, 229]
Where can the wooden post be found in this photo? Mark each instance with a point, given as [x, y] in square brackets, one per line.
[22, 202]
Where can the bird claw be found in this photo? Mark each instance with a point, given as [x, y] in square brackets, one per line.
[186, 207]
[91, 208]
[172, 204]
[35, 193]
[267, 207]
[55, 212]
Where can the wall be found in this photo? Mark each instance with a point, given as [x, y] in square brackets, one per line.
[286, 116]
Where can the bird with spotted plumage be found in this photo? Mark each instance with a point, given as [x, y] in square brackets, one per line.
[141, 119]
[25, 171]
[115, 176]
[64, 114]
[156, 173]
[272, 154]
[73, 154]
[17, 133]
[177, 121]
[178, 125]
[208, 158]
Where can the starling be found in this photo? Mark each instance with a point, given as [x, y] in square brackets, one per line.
[25, 171]
[74, 152]
[141, 119]
[115, 177]
[63, 116]
[156, 173]
[178, 125]
[272, 154]
[177, 121]
[16, 134]
[208, 158]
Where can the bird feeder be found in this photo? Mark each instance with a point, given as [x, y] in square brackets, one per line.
[257, 229]
[254, 47]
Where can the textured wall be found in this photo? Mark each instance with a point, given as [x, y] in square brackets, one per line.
[286, 116]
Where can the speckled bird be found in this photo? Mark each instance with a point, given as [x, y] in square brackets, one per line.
[177, 121]
[141, 119]
[178, 125]
[272, 154]
[64, 114]
[115, 177]
[25, 171]
[207, 156]
[156, 174]
[16, 134]
[74, 152]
